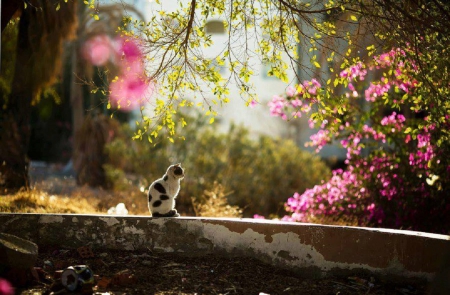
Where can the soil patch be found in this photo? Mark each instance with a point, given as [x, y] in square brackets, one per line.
[145, 272]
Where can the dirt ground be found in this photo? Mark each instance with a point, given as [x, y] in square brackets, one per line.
[144, 272]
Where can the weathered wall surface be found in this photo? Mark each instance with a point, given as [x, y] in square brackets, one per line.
[312, 250]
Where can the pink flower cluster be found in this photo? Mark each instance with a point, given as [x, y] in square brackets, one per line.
[347, 193]
[278, 106]
[320, 139]
[328, 198]
[395, 121]
[311, 87]
[376, 90]
[425, 151]
[355, 71]
[292, 104]
[388, 59]
[402, 80]
[132, 87]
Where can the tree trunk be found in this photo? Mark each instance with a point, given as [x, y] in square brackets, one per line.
[15, 115]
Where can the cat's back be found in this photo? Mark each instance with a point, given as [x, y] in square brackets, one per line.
[160, 185]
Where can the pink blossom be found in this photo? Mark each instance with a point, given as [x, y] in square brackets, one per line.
[132, 88]
[312, 86]
[128, 48]
[277, 106]
[97, 50]
[129, 92]
[296, 103]
[395, 120]
[290, 91]
[6, 288]
[376, 90]
[257, 216]
[353, 72]
[253, 103]
[319, 140]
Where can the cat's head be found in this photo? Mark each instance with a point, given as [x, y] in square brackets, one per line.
[176, 171]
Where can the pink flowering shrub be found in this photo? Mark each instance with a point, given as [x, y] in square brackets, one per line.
[398, 172]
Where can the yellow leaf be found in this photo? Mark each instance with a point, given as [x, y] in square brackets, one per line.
[353, 18]
[316, 64]
[211, 120]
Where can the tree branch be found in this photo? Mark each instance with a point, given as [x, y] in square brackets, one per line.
[300, 11]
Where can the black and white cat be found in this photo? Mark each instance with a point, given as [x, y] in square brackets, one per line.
[162, 193]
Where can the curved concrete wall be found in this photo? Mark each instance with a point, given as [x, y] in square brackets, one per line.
[312, 250]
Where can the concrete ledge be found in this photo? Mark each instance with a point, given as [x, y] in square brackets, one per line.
[312, 250]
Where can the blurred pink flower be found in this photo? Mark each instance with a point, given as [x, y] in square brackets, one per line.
[290, 91]
[127, 49]
[257, 216]
[253, 103]
[6, 288]
[277, 105]
[97, 50]
[132, 89]
[130, 92]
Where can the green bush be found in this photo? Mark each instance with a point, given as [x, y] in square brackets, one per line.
[256, 175]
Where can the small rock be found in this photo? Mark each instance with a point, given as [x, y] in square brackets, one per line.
[85, 252]
[124, 278]
[104, 283]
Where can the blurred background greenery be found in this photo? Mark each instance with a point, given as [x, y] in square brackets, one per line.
[255, 174]
[227, 174]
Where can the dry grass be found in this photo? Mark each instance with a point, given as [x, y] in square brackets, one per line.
[214, 203]
[38, 201]
[63, 196]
